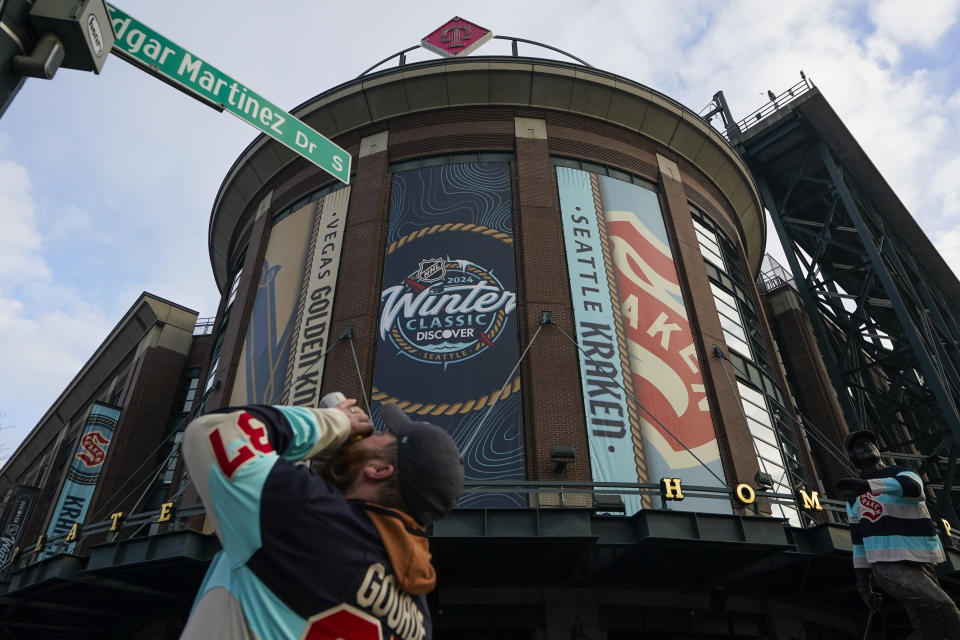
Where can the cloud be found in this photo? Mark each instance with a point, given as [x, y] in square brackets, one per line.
[20, 260]
[47, 331]
[919, 24]
[948, 244]
[945, 186]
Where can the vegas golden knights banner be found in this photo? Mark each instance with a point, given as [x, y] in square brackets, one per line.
[447, 336]
[288, 329]
[83, 474]
[636, 341]
[316, 300]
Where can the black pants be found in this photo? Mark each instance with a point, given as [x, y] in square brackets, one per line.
[933, 614]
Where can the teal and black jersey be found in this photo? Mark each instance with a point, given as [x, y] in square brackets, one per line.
[891, 522]
[298, 560]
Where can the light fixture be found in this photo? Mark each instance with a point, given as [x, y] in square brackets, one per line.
[608, 503]
[764, 481]
[561, 455]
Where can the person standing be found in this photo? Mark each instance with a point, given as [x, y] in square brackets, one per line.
[343, 554]
[895, 543]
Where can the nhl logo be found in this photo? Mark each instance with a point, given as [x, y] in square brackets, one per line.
[432, 270]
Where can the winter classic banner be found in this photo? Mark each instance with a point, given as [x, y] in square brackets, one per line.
[638, 357]
[447, 337]
[83, 474]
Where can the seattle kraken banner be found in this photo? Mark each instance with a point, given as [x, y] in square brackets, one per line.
[638, 353]
[447, 335]
[83, 474]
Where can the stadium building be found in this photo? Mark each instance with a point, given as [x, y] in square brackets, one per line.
[559, 266]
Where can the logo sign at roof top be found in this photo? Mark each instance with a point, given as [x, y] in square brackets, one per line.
[458, 37]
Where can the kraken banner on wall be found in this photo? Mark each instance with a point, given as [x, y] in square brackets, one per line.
[16, 516]
[447, 338]
[637, 345]
[288, 331]
[82, 475]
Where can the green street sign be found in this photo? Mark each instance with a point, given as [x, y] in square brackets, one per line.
[139, 43]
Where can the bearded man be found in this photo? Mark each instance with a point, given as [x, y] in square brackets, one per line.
[343, 554]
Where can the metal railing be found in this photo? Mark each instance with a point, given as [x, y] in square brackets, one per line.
[204, 326]
[602, 497]
[774, 276]
[776, 103]
[514, 52]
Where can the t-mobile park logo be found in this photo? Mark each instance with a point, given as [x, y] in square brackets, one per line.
[458, 37]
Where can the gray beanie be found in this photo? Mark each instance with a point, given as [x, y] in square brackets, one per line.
[428, 463]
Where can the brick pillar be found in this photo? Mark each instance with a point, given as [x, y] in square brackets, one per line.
[357, 300]
[232, 345]
[733, 437]
[816, 396]
[236, 331]
[553, 407]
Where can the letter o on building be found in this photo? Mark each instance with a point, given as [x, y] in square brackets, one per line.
[746, 494]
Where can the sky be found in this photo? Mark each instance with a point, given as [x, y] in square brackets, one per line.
[107, 181]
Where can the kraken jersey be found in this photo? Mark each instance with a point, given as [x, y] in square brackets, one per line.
[298, 560]
[891, 522]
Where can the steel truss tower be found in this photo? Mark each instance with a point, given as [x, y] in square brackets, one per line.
[884, 305]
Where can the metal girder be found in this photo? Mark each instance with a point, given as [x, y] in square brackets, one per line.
[889, 335]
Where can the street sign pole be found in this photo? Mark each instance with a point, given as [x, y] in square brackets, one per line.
[138, 43]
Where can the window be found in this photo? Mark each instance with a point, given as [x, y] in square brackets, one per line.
[212, 375]
[186, 394]
[769, 451]
[299, 204]
[234, 286]
[774, 440]
[451, 158]
[173, 456]
[573, 163]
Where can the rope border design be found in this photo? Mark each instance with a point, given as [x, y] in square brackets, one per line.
[448, 408]
[633, 412]
[302, 300]
[450, 226]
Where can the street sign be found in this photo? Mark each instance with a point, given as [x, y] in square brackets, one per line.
[148, 49]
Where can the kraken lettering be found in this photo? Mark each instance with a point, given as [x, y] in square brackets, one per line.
[600, 381]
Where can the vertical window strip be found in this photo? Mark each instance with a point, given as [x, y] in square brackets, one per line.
[751, 359]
